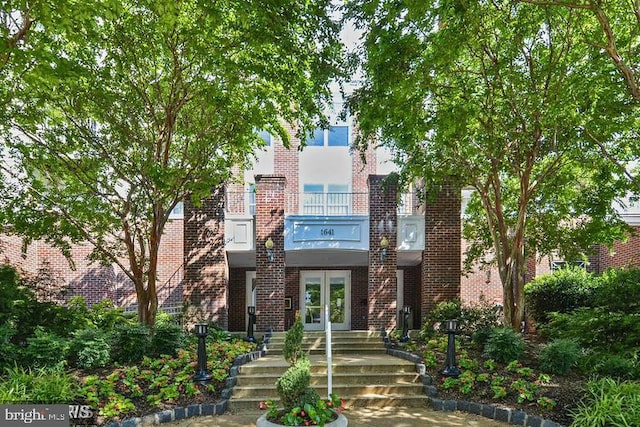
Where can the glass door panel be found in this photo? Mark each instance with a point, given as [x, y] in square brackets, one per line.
[313, 302]
[318, 287]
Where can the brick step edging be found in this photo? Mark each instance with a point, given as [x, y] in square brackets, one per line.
[498, 413]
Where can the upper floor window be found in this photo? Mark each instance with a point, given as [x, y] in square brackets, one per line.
[266, 137]
[560, 264]
[177, 211]
[338, 136]
[252, 199]
[335, 136]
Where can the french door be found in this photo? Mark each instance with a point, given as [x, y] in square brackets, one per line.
[320, 288]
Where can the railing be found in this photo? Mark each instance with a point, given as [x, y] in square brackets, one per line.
[169, 294]
[327, 204]
[321, 204]
[240, 203]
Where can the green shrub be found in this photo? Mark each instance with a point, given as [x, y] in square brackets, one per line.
[559, 356]
[45, 385]
[8, 350]
[479, 319]
[292, 350]
[475, 319]
[563, 291]
[609, 403]
[504, 345]
[619, 290]
[130, 342]
[615, 366]
[445, 310]
[105, 316]
[45, 349]
[293, 386]
[20, 308]
[596, 328]
[90, 348]
[480, 336]
[167, 338]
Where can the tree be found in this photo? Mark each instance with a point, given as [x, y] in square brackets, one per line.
[151, 102]
[611, 31]
[493, 97]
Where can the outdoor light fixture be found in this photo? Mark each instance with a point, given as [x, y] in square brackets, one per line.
[384, 244]
[251, 310]
[406, 310]
[202, 376]
[451, 370]
[269, 246]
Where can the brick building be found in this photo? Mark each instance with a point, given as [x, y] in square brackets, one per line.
[307, 229]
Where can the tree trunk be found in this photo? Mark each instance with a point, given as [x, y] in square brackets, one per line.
[512, 271]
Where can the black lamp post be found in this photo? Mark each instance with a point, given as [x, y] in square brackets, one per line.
[406, 310]
[201, 376]
[252, 321]
[451, 370]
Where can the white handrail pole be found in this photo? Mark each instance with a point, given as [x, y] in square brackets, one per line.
[327, 330]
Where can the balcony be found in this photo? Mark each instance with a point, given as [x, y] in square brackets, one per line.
[327, 204]
[327, 222]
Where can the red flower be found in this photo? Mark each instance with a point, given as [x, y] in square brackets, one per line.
[262, 405]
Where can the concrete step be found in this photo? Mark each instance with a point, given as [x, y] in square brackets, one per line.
[269, 391]
[353, 349]
[362, 401]
[339, 378]
[342, 342]
[361, 364]
[363, 380]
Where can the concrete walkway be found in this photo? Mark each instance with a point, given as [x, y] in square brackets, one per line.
[360, 417]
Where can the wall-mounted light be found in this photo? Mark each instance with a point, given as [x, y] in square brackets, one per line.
[384, 245]
[269, 246]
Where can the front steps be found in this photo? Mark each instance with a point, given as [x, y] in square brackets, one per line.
[342, 342]
[363, 374]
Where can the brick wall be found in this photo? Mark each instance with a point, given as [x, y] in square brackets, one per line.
[383, 222]
[623, 254]
[480, 282]
[441, 267]
[205, 271]
[11, 253]
[95, 282]
[270, 275]
[287, 164]
[361, 170]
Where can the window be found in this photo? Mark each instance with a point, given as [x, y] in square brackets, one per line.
[336, 136]
[558, 265]
[317, 138]
[252, 199]
[177, 211]
[266, 137]
[336, 201]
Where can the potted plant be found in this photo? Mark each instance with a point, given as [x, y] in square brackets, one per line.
[301, 404]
